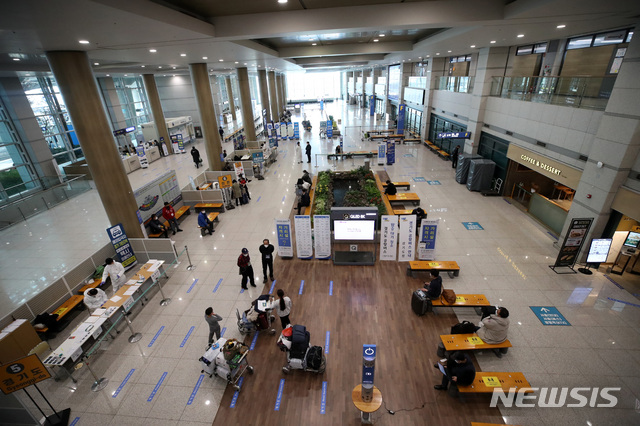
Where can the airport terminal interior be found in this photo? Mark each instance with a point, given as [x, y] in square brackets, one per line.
[535, 101]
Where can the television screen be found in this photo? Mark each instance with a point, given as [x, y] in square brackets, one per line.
[599, 250]
[633, 239]
[362, 230]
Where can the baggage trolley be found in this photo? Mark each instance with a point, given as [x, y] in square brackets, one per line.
[213, 363]
[300, 354]
[264, 321]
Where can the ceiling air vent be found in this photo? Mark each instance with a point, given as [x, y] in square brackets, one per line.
[443, 111]
[583, 158]
[542, 144]
[509, 133]
[486, 125]
[455, 115]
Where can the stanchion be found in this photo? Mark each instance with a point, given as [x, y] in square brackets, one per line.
[135, 337]
[165, 300]
[191, 267]
[98, 384]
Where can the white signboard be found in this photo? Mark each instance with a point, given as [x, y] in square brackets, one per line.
[304, 242]
[239, 168]
[322, 236]
[407, 238]
[599, 250]
[283, 232]
[388, 237]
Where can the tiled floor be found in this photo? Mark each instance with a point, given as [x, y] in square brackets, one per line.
[507, 261]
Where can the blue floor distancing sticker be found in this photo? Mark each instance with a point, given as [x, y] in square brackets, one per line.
[549, 315]
[253, 342]
[157, 387]
[156, 337]
[323, 401]
[124, 382]
[217, 285]
[234, 400]
[330, 288]
[279, 396]
[184, 342]
[473, 226]
[195, 390]
[301, 286]
[192, 285]
[326, 342]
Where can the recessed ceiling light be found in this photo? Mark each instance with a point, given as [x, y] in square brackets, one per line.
[428, 56]
[520, 35]
[183, 54]
[83, 41]
[375, 40]
[126, 75]
[282, 1]
[437, 53]
[142, 66]
[492, 42]
[381, 35]
[16, 59]
[205, 58]
[220, 60]
[159, 67]
[174, 68]
[152, 50]
[314, 44]
[561, 26]
[96, 63]
[237, 62]
[419, 57]
[472, 46]
[448, 51]
[245, 63]
[108, 75]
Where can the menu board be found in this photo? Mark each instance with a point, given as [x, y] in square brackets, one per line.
[573, 241]
[599, 250]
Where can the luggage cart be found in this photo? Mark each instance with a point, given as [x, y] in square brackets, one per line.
[214, 363]
[301, 355]
[264, 321]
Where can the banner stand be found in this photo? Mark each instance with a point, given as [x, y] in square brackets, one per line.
[573, 241]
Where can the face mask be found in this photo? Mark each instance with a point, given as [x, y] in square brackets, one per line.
[266, 245]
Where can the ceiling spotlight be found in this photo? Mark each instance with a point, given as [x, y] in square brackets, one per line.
[375, 40]
[381, 35]
[472, 46]
[561, 26]
[83, 41]
[236, 62]
[108, 75]
[437, 54]
[16, 59]
[96, 63]
[160, 67]
[520, 35]
[126, 75]
[205, 58]
[492, 42]
[183, 54]
[245, 63]
[282, 1]
[314, 44]
[448, 51]
[152, 50]
[142, 66]
[174, 68]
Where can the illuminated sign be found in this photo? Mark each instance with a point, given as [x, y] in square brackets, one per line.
[540, 164]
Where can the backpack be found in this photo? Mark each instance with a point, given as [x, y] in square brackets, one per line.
[464, 327]
[99, 271]
[314, 357]
[449, 296]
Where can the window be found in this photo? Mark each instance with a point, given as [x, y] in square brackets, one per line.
[531, 48]
[134, 104]
[313, 86]
[613, 37]
[602, 39]
[579, 42]
[440, 124]
[395, 76]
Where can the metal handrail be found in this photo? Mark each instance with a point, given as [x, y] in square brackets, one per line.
[34, 191]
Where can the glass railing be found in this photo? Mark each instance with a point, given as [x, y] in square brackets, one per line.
[38, 196]
[456, 84]
[576, 92]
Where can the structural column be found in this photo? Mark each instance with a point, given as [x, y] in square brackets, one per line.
[273, 99]
[232, 104]
[204, 98]
[84, 104]
[156, 109]
[435, 70]
[284, 89]
[247, 107]
[361, 88]
[278, 93]
[283, 99]
[264, 94]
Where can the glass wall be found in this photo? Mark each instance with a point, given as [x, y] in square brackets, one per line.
[440, 124]
[313, 86]
[52, 116]
[413, 120]
[133, 102]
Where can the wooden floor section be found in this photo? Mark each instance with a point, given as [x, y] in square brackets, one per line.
[369, 305]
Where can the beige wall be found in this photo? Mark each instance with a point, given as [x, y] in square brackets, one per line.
[593, 61]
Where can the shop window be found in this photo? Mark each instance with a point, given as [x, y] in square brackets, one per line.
[579, 42]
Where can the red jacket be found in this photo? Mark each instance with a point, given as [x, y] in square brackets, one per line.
[168, 212]
[243, 261]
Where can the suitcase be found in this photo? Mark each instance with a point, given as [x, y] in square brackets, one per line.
[314, 358]
[263, 322]
[209, 360]
[300, 338]
[420, 303]
[244, 199]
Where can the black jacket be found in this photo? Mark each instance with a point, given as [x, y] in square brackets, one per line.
[266, 251]
[465, 373]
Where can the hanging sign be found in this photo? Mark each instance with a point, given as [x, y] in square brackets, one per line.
[322, 236]
[283, 231]
[304, 242]
[122, 245]
[407, 238]
[576, 234]
[427, 243]
[454, 135]
[22, 373]
[388, 237]
[329, 129]
[225, 181]
[372, 105]
[401, 113]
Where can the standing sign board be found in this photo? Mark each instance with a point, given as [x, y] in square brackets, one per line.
[599, 250]
[257, 157]
[388, 237]
[401, 113]
[304, 241]
[269, 129]
[283, 231]
[142, 156]
[382, 153]
[391, 153]
[576, 234]
[225, 181]
[122, 245]
[296, 131]
[180, 143]
[276, 129]
[174, 143]
[329, 129]
[22, 373]
[407, 238]
[239, 168]
[427, 245]
[322, 236]
[372, 105]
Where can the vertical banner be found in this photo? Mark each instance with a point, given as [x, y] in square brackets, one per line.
[407, 238]
[142, 156]
[382, 153]
[276, 129]
[290, 131]
[283, 231]
[180, 143]
[401, 112]
[427, 243]
[329, 129]
[372, 105]
[322, 236]
[304, 241]
[174, 143]
[121, 245]
[391, 153]
[296, 131]
[239, 168]
[576, 234]
[388, 237]
[321, 105]
[283, 130]
[269, 129]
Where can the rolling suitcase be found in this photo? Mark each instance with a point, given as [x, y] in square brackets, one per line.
[420, 303]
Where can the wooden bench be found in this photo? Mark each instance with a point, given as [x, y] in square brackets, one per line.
[385, 200]
[312, 193]
[488, 424]
[69, 305]
[412, 140]
[465, 342]
[464, 300]
[442, 154]
[218, 206]
[506, 381]
[401, 211]
[411, 197]
[426, 265]
[95, 283]
[405, 185]
[179, 213]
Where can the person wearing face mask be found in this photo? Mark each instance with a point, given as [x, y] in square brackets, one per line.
[204, 223]
[246, 270]
[267, 259]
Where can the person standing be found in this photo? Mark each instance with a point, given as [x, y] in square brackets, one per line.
[157, 227]
[246, 270]
[170, 215]
[282, 307]
[307, 150]
[204, 223]
[236, 190]
[266, 250]
[94, 298]
[115, 271]
[454, 156]
[243, 185]
[157, 145]
[195, 154]
[298, 152]
[214, 326]
[221, 131]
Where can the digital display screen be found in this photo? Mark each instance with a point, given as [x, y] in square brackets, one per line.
[599, 250]
[633, 239]
[360, 230]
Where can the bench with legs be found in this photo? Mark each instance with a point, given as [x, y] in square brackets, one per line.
[213, 217]
[426, 265]
[462, 301]
[496, 380]
[405, 197]
[471, 342]
[63, 310]
[179, 213]
[209, 206]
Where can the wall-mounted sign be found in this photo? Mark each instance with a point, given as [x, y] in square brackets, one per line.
[454, 135]
[124, 131]
[546, 166]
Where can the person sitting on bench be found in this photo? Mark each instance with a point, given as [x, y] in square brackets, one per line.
[391, 188]
[493, 329]
[459, 369]
[434, 287]
[157, 227]
[204, 223]
[305, 201]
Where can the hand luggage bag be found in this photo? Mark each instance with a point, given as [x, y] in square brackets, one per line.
[464, 327]
[314, 358]
[420, 302]
[299, 341]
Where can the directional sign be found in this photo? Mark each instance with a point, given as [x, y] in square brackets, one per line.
[419, 179]
[22, 373]
[454, 135]
[472, 226]
[433, 182]
[549, 315]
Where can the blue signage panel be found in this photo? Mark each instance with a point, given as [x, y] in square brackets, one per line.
[549, 315]
[372, 105]
[429, 236]
[121, 245]
[391, 152]
[472, 226]
[258, 157]
[401, 112]
[454, 135]
[382, 152]
[321, 105]
[283, 231]
[419, 179]
[329, 129]
[369, 354]
[296, 131]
